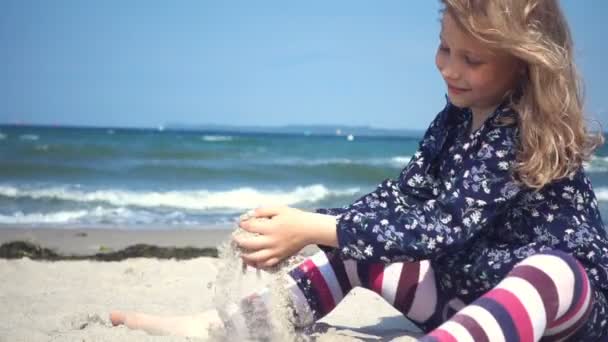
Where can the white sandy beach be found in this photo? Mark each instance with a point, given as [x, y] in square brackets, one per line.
[70, 300]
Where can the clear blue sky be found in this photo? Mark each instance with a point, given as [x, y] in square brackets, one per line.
[144, 63]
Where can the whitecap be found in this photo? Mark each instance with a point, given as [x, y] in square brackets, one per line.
[596, 164]
[29, 137]
[397, 162]
[601, 193]
[232, 200]
[216, 138]
[401, 161]
[56, 217]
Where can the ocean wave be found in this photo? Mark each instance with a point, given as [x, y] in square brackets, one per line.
[116, 217]
[398, 161]
[56, 217]
[216, 138]
[29, 137]
[601, 193]
[42, 148]
[3, 136]
[401, 160]
[96, 215]
[201, 200]
[597, 164]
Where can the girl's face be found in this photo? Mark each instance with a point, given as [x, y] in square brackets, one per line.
[476, 77]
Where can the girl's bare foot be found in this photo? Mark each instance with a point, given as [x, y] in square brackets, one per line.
[201, 325]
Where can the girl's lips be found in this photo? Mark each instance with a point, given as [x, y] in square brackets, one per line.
[456, 90]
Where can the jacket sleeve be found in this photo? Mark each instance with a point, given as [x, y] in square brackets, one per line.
[417, 160]
[386, 226]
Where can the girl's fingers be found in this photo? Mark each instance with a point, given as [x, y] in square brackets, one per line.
[251, 243]
[246, 216]
[270, 262]
[253, 226]
[268, 212]
[258, 257]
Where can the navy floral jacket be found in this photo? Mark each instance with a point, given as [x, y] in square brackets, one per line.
[457, 203]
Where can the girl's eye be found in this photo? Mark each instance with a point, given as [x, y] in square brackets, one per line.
[472, 61]
[444, 48]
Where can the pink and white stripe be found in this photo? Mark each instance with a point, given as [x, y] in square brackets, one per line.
[562, 327]
[322, 263]
[425, 297]
[527, 296]
[350, 266]
[559, 271]
[485, 320]
[390, 283]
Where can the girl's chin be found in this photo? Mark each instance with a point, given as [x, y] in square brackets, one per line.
[458, 101]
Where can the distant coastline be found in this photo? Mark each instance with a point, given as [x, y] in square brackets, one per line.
[303, 129]
[317, 130]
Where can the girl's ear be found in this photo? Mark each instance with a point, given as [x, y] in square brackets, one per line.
[522, 69]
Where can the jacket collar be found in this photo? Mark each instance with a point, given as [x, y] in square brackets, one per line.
[458, 115]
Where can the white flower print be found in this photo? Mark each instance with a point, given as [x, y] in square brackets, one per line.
[476, 216]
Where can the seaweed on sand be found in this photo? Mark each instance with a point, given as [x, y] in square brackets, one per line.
[21, 249]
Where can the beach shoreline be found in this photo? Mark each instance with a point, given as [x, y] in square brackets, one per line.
[71, 300]
[91, 240]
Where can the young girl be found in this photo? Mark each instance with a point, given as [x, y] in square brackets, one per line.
[492, 231]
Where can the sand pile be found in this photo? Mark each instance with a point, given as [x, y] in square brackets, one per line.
[254, 304]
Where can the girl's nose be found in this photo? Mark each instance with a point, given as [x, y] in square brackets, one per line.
[450, 71]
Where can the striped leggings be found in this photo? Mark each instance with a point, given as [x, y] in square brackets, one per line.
[546, 296]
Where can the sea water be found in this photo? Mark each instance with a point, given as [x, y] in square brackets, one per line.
[146, 178]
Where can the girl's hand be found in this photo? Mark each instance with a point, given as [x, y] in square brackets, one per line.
[284, 231]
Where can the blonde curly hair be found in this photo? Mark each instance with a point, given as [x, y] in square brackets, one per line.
[553, 138]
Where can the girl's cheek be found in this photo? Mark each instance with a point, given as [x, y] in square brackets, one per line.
[439, 61]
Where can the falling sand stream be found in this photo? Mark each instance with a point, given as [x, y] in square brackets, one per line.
[254, 305]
